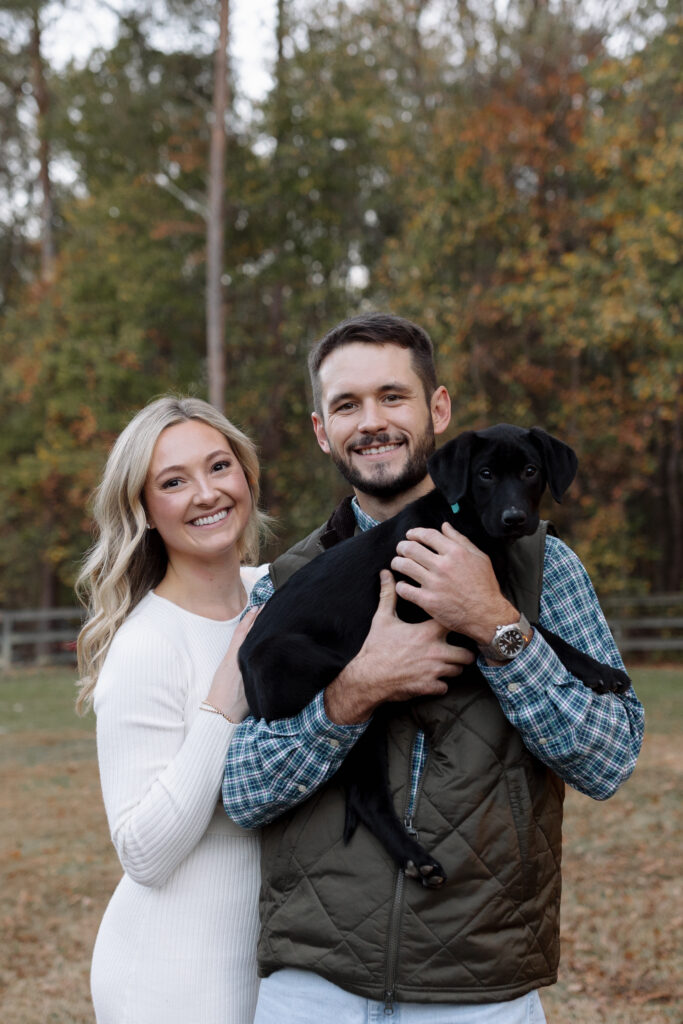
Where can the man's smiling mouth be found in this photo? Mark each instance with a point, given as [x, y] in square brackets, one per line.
[379, 449]
[208, 520]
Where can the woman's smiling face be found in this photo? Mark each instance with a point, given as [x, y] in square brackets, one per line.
[196, 493]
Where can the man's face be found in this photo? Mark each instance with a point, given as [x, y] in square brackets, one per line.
[376, 422]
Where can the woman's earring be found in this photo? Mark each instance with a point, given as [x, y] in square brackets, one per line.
[149, 526]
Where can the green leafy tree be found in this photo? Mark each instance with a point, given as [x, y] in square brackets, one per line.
[542, 261]
[117, 324]
[505, 181]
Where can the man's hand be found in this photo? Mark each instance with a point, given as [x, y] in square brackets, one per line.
[457, 585]
[398, 660]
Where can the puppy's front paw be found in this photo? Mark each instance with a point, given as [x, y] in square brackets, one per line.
[429, 872]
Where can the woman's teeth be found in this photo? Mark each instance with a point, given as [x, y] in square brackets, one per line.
[207, 520]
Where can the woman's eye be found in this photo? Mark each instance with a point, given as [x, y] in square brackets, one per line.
[168, 484]
[218, 466]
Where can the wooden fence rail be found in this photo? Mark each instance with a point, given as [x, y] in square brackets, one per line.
[36, 635]
[644, 624]
[647, 623]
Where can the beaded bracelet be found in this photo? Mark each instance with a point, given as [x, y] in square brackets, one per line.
[205, 706]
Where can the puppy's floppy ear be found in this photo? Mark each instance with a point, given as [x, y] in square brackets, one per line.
[559, 461]
[449, 466]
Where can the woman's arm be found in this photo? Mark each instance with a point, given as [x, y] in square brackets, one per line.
[160, 783]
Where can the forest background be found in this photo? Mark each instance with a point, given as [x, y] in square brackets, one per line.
[507, 175]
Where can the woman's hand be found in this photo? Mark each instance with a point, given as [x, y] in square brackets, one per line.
[227, 690]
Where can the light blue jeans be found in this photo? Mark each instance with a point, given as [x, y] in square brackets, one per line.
[302, 997]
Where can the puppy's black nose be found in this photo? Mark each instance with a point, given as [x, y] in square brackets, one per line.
[514, 517]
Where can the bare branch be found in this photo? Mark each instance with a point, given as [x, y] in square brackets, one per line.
[191, 204]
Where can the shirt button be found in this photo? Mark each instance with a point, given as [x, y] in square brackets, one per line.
[513, 687]
[543, 740]
[301, 788]
[334, 743]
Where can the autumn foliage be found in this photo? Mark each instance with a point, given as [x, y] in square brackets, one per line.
[513, 183]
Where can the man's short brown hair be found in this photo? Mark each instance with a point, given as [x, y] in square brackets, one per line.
[376, 329]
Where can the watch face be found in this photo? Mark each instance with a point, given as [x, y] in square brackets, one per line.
[510, 643]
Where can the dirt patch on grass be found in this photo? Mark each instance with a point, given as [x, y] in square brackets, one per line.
[622, 913]
[58, 870]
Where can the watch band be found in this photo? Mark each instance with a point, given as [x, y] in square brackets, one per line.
[508, 641]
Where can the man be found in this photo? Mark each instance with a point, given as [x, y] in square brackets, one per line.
[345, 937]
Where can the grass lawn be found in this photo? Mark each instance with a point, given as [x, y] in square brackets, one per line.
[622, 910]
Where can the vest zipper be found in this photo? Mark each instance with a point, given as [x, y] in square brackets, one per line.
[392, 945]
[394, 935]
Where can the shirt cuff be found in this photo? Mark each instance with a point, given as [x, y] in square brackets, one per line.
[314, 722]
[536, 664]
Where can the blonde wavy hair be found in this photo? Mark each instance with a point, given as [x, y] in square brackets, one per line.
[128, 560]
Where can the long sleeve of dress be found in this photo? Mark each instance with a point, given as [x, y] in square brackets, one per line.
[160, 778]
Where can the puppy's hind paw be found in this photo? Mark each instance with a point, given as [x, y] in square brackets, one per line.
[431, 874]
[595, 683]
[620, 681]
[610, 680]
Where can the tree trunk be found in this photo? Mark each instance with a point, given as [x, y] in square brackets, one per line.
[673, 502]
[271, 425]
[48, 576]
[215, 232]
[40, 92]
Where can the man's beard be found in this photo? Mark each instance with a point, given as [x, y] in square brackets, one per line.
[384, 486]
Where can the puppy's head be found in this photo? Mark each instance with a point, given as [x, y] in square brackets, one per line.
[503, 472]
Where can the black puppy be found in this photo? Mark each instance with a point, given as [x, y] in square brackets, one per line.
[488, 486]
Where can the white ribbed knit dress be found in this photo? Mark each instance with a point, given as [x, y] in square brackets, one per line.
[177, 944]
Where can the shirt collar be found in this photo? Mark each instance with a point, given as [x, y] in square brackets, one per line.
[365, 522]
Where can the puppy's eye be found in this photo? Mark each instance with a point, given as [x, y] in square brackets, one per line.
[530, 471]
[485, 473]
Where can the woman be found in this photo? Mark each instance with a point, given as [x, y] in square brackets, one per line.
[177, 517]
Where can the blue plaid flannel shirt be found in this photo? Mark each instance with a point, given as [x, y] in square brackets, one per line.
[591, 741]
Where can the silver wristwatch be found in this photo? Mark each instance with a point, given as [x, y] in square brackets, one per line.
[508, 641]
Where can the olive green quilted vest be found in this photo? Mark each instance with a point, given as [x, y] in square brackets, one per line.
[486, 809]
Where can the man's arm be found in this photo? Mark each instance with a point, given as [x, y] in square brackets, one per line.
[590, 740]
[271, 767]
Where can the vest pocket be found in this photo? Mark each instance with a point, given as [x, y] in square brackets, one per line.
[525, 826]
